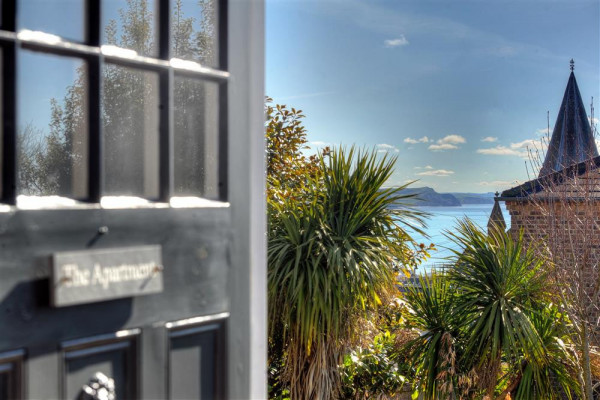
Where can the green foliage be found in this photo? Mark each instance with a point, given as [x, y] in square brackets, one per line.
[557, 369]
[330, 254]
[373, 370]
[435, 351]
[501, 284]
[288, 169]
[487, 327]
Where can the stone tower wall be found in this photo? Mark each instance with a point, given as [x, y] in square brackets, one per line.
[569, 231]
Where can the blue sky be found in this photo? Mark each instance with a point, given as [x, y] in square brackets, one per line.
[456, 90]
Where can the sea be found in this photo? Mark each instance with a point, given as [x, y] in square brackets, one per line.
[444, 219]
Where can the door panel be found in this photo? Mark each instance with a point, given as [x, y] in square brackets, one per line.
[11, 375]
[196, 354]
[114, 355]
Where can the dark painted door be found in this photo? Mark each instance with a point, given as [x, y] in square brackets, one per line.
[114, 136]
[164, 345]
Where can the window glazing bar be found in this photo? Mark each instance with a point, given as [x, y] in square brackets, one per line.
[164, 29]
[166, 139]
[53, 44]
[94, 113]
[9, 125]
[93, 22]
[223, 144]
[9, 108]
[9, 15]
[223, 102]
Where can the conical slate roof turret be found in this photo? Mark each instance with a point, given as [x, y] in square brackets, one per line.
[572, 139]
[496, 220]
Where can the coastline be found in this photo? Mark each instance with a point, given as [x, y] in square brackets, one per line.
[444, 218]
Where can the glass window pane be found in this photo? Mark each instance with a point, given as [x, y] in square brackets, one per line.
[64, 18]
[52, 125]
[130, 24]
[196, 138]
[195, 31]
[130, 120]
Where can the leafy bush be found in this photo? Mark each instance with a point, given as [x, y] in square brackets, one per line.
[373, 371]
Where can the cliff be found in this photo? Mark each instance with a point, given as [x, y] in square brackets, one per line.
[426, 196]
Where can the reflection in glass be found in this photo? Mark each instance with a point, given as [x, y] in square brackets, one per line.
[130, 118]
[130, 24]
[59, 17]
[52, 135]
[196, 138]
[195, 27]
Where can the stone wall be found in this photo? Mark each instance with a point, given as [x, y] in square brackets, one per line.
[568, 231]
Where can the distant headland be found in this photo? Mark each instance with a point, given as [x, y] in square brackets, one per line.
[428, 197]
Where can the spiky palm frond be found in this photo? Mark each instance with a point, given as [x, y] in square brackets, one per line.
[434, 352]
[330, 254]
[552, 377]
[501, 285]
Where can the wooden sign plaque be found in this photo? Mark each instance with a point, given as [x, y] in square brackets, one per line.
[88, 276]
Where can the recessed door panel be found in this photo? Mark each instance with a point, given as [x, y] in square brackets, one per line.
[108, 361]
[11, 375]
[196, 361]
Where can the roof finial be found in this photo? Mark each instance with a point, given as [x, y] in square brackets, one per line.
[572, 65]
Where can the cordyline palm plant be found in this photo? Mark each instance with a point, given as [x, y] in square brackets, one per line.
[502, 291]
[331, 253]
[557, 369]
[500, 283]
[501, 335]
[434, 353]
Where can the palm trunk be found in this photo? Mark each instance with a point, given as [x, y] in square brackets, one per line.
[493, 377]
[587, 372]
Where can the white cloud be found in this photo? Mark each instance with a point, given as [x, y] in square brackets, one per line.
[490, 139]
[436, 172]
[424, 139]
[593, 121]
[543, 131]
[428, 167]
[384, 18]
[525, 144]
[452, 139]
[448, 142]
[386, 148]
[497, 184]
[503, 151]
[518, 149]
[442, 147]
[320, 144]
[399, 41]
